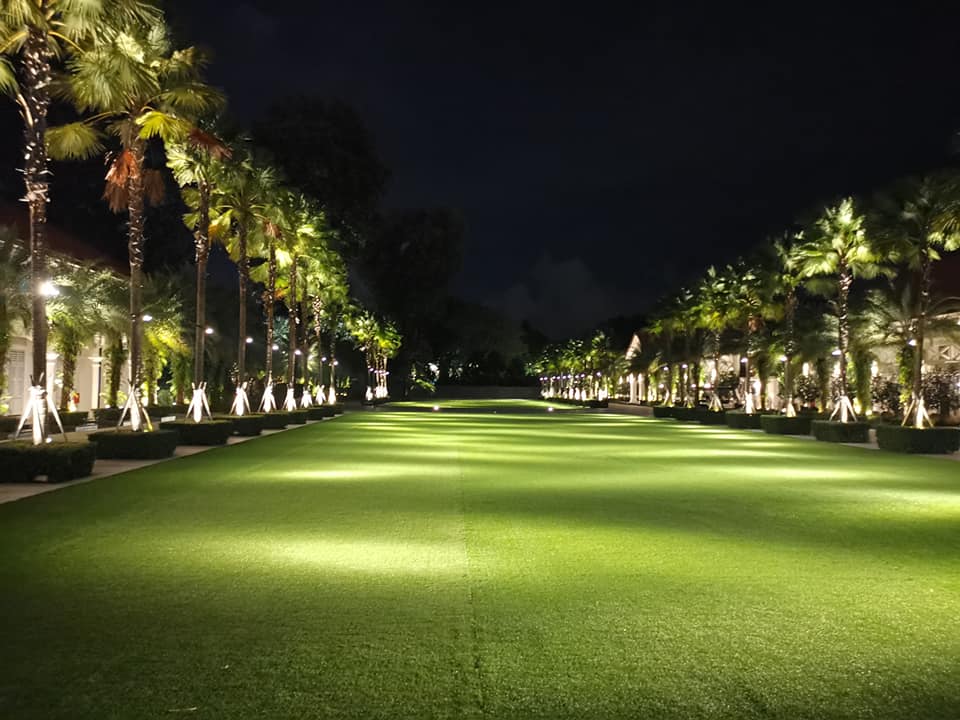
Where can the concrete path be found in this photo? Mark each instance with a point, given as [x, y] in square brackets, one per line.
[9, 492]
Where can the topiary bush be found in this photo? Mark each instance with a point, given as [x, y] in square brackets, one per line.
[783, 425]
[663, 411]
[244, 425]
[274, 420]
[296, 417]
[931, 441]
[70, 420]
[107, 417]
[838, 432]
[320, 412]
[710, 417]
[124, 444]
[739, 420]
[58, 461]
[208, 432]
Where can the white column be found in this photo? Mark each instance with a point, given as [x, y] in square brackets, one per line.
[96, 363]
[51, 375]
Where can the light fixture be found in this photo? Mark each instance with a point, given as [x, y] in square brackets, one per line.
[783, 358]
[275, 347]
[249, 341]
[323, 359]
[147, 317]
[297, 352]
[436, 408]
[912, 342]
[550, 409]
[836, 353]
[209, 331]
[48, 289]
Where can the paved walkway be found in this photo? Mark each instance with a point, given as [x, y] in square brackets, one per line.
[9, 492]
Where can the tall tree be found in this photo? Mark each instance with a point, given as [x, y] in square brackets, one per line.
[786, 276]
[839, 250]
[914, 223]
[15, 298]
[34, 35]
[140, 88]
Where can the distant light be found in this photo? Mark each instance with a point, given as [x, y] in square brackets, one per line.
[684, 366]
[912, 342]
[275, 346]
[336, 362]
[436, 408]
[836, 353]
[550, 409]
[249, 341]
[147, 317]
[48, 289]
[297, 352]
[783, 358]
[209, 331]
[743, 361]
[323, 359]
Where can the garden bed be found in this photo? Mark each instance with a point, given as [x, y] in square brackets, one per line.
[58, 461]
[838, 432]
[244, 425]
[125, 444]
[931, 441]
[710, 417]
[320, 412]
[783, 425]
[274, 420]
[107, 417]
[296, 417]
[207, 432]
[664, 411]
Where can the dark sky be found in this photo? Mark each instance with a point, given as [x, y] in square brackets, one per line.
[601, 155]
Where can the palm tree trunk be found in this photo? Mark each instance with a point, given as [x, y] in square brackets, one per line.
[790, 311]
[925, 282]
[292, 332]
[304, 346]
[318, 330]
[843, 324]
[35, 102]
[269, 301]
[243, 273]
[117, 355]
[69, 375]
[202, 253]
[135, 243]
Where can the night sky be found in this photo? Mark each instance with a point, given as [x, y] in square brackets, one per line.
[604, 154]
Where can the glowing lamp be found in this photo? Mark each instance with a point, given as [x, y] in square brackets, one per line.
[209, 331]
[147, 317]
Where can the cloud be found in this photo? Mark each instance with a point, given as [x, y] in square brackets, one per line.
[561, 298]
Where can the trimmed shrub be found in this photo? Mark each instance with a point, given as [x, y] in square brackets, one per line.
[319, 412]
[125, 444]
[337, 409]
[70, 420]
[8, 424]
[597, 403]
[244, 425]
[838, 432]
[274, 420]
[663, 411]
[296, 417]
[58, 461]
[107, 417]
[739, 420]
[783, 425]
[710, 417]
[931, 441]
[208, 432]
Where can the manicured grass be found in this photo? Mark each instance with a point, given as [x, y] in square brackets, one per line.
[485, 406]
[432, 565]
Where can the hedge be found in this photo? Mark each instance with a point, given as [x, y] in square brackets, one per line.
[664, 411]
[296, 417]
[838, 432]
[711, 417]
[124, 444]
[207, 432]
[783, 425]
[931, 441]
[740, 420]
[337, 409]
[319, 412]
[107, 417]
[58, 461]
[274, 420]
[244, 425]
[597, 404]
[69, 420]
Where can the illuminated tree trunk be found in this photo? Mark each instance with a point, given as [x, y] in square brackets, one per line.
[318, 331]
[292, 332]
[135, 242]
[37, 76]
[202, 254]
[69, 375]
[843, 323]
[243, 267]
[790, 311]
[269, 301]
[304, 345]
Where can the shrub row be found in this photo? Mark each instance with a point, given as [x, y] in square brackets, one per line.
[58, 461]
[128, 445]
[783, 425]
[931, 441]
[207, 432]
[319, 412]
[839, 432]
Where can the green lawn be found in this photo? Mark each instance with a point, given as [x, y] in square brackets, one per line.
[435, 565]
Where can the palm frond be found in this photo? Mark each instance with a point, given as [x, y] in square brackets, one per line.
[73, 141]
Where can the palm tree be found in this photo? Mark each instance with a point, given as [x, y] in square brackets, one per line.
[194, 163]
[35, 34]
[76, 316]
[786, 277]
[140, 88]
[15, 298]
[839, 247]
[163, 331]
[241, 204]
[750, 309]
[914, 223]
[714, 313]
